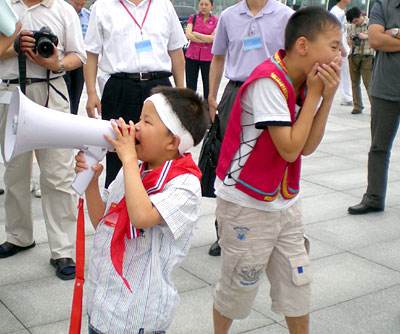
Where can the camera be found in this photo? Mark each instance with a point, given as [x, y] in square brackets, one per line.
[44, 40]
[356, 40]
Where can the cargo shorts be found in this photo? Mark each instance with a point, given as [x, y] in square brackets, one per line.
[253, 242]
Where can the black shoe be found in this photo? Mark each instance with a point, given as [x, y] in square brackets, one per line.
[65, 268]
[215, 249]
[355, 112]
[8, 249]
[362, 208]
[1, 191]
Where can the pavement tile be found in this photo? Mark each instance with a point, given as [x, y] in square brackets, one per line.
[60, 327]
[353, 232]
[384, 253]
[185, 281]
[309, 189]
[39, 302]
[195, 315]
[323, 165]
[342, 277]
[340, 180]
[271, 329]
[8, 323]
[376, 313]
[205, 267]
[325, 207]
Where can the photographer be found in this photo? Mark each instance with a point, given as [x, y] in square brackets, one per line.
[361, 56]
[48, 53]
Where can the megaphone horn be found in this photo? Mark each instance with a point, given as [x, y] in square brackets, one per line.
[8, 18]
[30, 126]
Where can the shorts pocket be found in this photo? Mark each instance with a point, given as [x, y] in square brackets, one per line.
[301, 270]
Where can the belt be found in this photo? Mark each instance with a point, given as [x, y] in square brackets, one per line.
[29, 81]
[142, 76]
[236, 83]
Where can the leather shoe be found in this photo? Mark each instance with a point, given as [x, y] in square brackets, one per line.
[362, 208]
[8, 249]
[215, 249]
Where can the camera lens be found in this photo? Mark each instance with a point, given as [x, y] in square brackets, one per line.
[45, 47]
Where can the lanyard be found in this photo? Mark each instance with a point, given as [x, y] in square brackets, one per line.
[133, 18]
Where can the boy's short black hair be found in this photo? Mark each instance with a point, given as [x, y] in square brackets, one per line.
[308, 22]
[190, 109]
[353, 13]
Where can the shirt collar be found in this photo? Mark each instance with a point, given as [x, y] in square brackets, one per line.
[46, 3]
[267, 9]
[131, 3]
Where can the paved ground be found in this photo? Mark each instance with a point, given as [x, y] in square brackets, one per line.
[356, 265]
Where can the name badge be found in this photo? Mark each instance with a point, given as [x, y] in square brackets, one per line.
[252, 43]
[143, 46]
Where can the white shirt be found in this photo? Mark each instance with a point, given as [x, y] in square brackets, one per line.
[341, 16]
[112, 34]
[62, 20]
[148, 263]
[265, 105]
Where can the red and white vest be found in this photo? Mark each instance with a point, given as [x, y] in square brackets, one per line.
[265, 171]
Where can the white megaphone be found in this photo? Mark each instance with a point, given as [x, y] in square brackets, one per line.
[8, 18]
[31, 126]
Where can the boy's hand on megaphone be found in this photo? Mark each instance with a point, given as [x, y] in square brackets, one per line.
[124, 141]
[81, 165]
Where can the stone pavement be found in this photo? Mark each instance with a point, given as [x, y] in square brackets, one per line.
[356, 267]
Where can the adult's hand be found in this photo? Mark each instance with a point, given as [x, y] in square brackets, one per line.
[212, 107]
[93, 106]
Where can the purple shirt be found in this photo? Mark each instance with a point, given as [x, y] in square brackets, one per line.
[201, 51]
[237, 23]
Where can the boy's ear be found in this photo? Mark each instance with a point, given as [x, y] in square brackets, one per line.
[174, 143]
[301, 46]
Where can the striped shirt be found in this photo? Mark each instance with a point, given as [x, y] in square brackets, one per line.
[148, 262]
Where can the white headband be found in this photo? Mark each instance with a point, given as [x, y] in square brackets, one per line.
[172, 122]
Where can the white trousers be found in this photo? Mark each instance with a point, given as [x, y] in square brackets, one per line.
[345, 82]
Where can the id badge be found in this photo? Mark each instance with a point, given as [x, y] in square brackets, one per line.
[252, 43]
[143, 46]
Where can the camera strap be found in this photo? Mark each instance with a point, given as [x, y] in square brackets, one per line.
[49, 84]
[22, 71]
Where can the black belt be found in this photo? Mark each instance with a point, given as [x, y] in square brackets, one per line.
[236, 83]
[142, 76]
[29, 81]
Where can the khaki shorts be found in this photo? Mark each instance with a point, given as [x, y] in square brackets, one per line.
[253, 241]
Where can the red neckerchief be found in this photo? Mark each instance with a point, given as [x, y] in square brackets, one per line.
[154, 182]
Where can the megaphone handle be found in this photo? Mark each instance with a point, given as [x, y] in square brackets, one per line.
[83, 179]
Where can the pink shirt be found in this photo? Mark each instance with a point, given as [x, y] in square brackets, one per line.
[201, 51]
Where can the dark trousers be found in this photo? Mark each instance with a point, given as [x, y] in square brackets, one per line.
[74, 80]
[385, 116]
[226, 104]
[124, 98]
[192, 74]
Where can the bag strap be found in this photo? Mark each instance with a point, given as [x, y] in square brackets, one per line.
[193, 20]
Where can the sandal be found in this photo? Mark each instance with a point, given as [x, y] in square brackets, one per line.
[65, 268]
